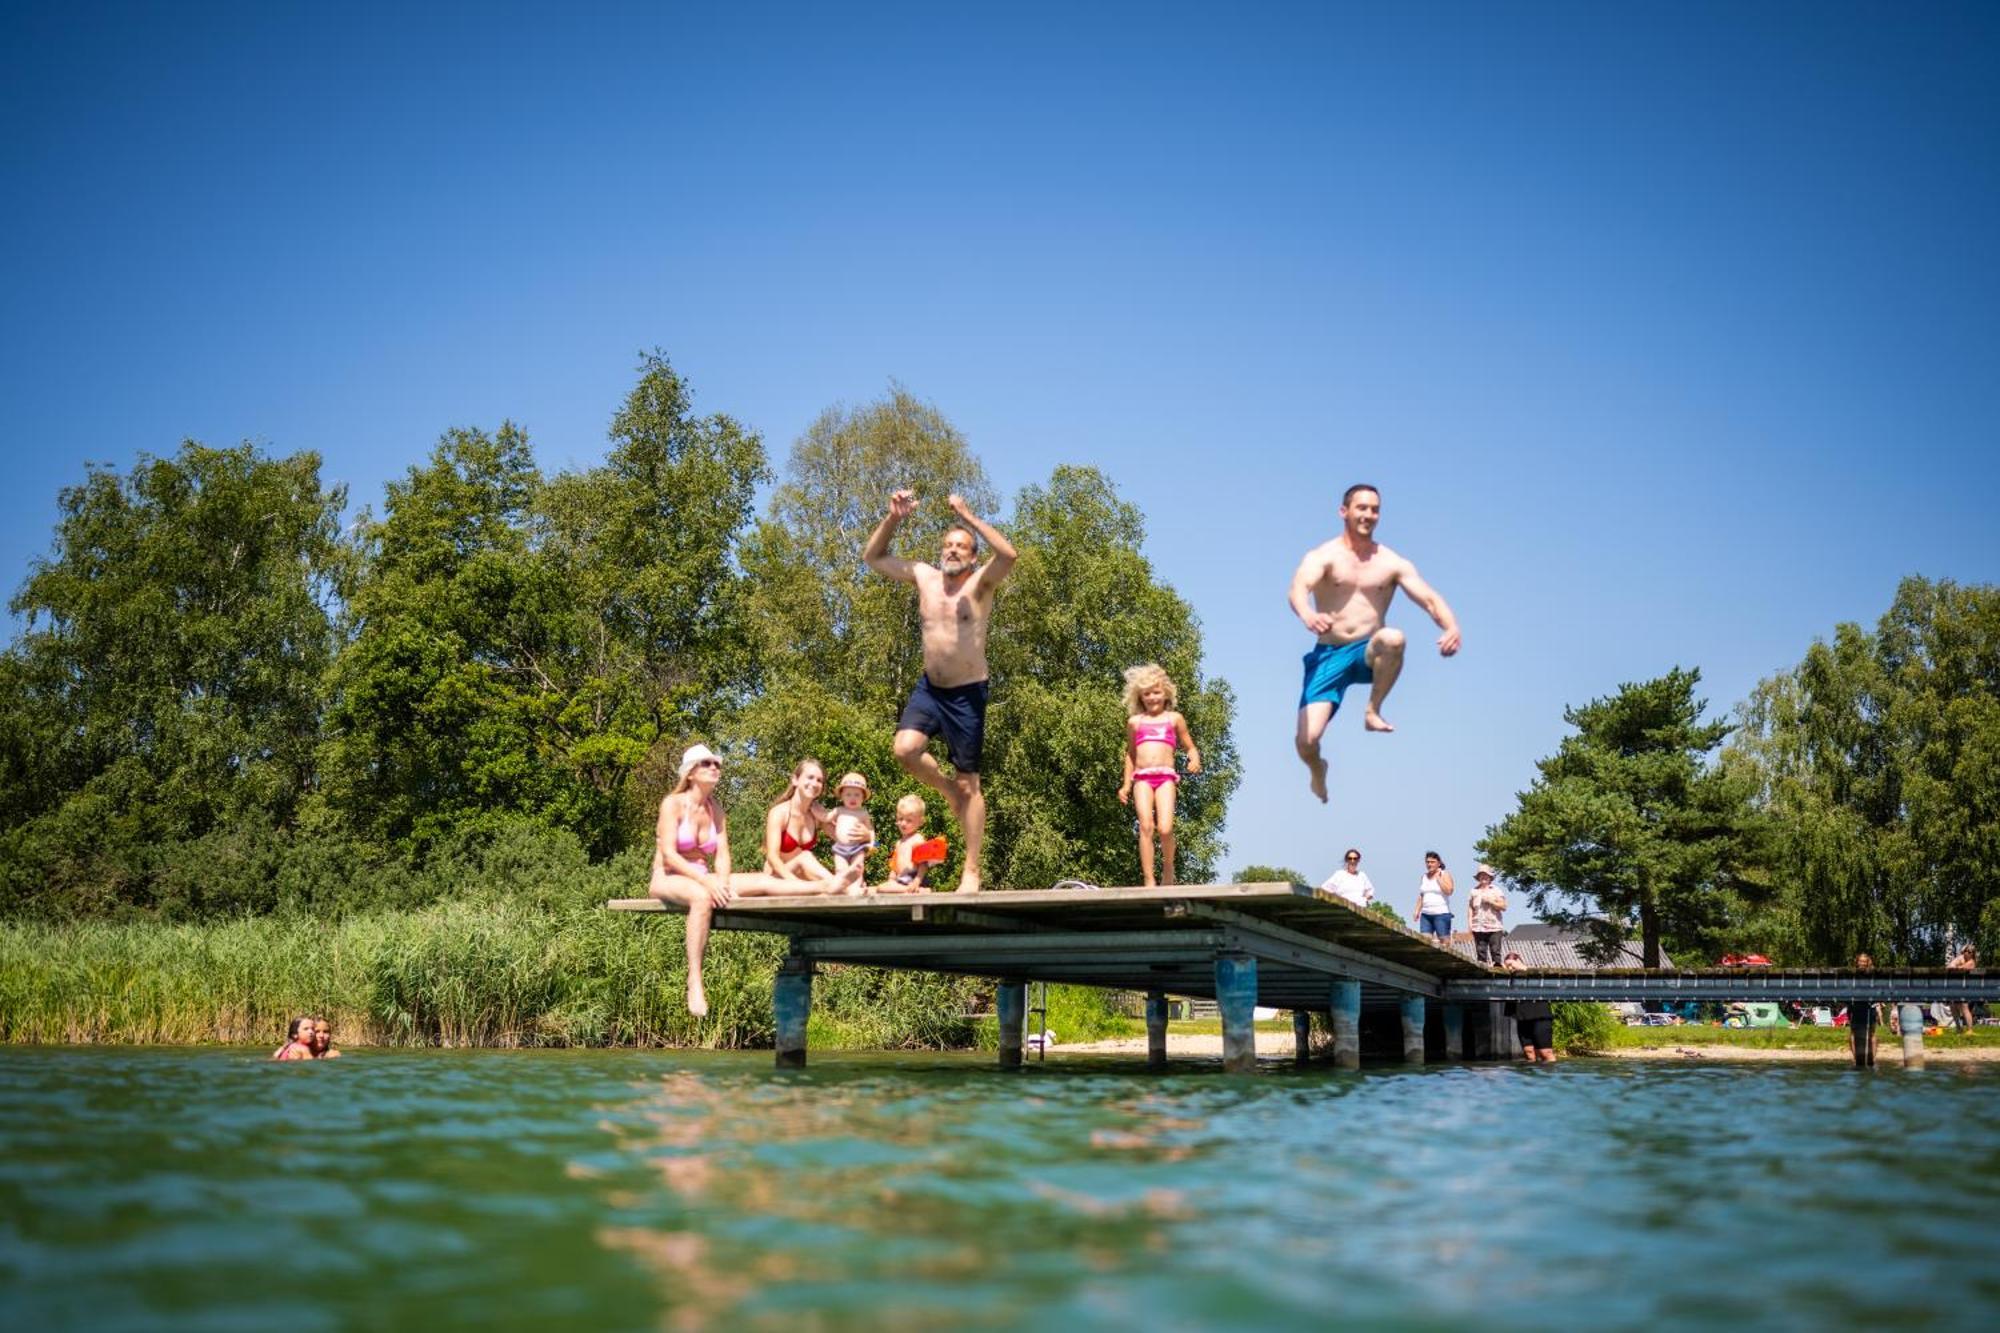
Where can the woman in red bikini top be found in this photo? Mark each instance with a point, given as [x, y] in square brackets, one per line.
[791, 832]
[691, 861]
[1151, 784]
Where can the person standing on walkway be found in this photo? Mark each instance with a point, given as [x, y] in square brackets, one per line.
[1342, 592]
[1534, 1020]
[1434, 900]
[1965, 960]
[1483, 909]
[1351, 881]
[954, 606]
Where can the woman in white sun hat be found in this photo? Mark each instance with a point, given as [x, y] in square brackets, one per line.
[691, 861]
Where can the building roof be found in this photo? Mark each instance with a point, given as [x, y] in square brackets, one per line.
[1543, 945]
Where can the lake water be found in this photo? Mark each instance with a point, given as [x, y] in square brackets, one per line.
[209, 1189]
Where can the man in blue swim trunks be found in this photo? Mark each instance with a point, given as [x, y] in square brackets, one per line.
[1350, 581]
[955, 605]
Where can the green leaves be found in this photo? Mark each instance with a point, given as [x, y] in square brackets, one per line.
[1629, 824]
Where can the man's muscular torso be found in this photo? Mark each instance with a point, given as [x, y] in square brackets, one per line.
[954, 624]
[1354, 590]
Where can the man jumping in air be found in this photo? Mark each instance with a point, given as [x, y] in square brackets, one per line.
[1351, 580]
[955, 605]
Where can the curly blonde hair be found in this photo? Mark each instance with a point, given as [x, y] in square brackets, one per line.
[1151, 676]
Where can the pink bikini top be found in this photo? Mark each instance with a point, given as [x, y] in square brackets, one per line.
[1155, 733]
[684, 836]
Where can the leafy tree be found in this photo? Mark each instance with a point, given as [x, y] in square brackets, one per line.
[1082, 605]
[166, 685]
[1386, 911]
[1878, 758]
[1630, 821]
[437, 704]
[1263, 874]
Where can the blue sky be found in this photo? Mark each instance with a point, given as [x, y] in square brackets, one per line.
[1669, 332]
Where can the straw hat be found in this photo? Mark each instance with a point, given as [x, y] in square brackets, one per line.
[695, 754]
[852, 780]
[1484, 872]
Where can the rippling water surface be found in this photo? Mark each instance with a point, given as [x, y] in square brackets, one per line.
[210, 1189]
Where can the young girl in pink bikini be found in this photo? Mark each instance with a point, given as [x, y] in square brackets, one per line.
[1152, 732]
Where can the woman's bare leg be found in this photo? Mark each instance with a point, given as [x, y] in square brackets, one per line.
[693, 895]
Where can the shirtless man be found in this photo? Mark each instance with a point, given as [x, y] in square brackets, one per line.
[955, 604]
[1351, 580]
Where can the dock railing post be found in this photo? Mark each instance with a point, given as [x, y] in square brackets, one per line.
[1454, 1032]
[1911, 1019]
[1011, 1004]
[1302, 1036]
[1413, 1029]
[1345, 1004]
[791, 1007]
[1156, 1028]
[1506, 1036]
[1236, 997]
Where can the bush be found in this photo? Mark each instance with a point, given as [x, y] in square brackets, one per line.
[1583, 1026]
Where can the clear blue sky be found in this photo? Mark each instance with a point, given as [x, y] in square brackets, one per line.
[1668, 332]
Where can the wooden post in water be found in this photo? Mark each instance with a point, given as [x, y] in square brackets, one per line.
[1302, 1036]
[1413, 1029]
[1011, 1004]
[1346, 1015]
[791, 1007]
[1911, 1019]
[1236, 997]
[1454, 1032]
[1506, 1036]
[1156, 1029]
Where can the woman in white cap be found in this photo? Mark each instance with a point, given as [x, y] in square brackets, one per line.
[691, 861]
[1484, 908]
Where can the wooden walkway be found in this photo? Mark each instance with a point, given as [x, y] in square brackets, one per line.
[1282, 946]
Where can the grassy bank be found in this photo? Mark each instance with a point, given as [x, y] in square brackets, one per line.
[485, 973]
[1776, 1039]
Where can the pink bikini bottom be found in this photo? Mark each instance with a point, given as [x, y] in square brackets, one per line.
[1156, 777]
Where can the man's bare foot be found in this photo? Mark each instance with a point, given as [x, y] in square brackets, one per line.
[1373, 722]
[968, 882]
[1318, 767]
[697, 1000]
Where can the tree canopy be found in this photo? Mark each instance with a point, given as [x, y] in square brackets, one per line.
[1629, 824]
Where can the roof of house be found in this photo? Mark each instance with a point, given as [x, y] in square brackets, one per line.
[1543, 945]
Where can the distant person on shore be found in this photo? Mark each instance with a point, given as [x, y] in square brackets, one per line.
[955, 606]
[1434, 900]
[791, 832]
[298, 1041]
[1965, 960]
[1861, 1034]
[1351, 881]
[853, 826]
[1153, 732]
[906, 871]
[1534, 1020]
[1349, 583]
[322, 1041]
[691, 862]
[1484, 907]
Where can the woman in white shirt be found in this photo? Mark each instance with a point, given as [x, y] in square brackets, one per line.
[1434, 899]
[1349, 881]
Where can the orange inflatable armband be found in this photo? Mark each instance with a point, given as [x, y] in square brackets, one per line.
[929, 852]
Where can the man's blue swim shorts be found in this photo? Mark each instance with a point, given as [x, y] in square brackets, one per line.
[1331, 668]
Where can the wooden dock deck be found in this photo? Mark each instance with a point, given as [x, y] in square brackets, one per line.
[1282, 946]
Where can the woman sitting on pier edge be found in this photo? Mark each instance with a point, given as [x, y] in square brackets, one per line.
[792, 831]
[691, 861]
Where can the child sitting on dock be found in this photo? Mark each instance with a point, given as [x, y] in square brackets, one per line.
[853, 826]
[911, 859]
[1153, 732]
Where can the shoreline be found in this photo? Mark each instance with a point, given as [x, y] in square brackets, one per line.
[1888, 1052]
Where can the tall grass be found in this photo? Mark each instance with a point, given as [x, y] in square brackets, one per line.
[485, 972]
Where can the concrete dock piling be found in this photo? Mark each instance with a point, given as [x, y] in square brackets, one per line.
[1156, 1029]
[1454, 1032]
[1413, 1029]
[791, 1007]
[1345, 1002]
[1010, 1002]
[1302, 1032]
[1911, 1019]
[1236, 997]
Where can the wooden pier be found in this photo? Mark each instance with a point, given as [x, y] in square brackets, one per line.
[1281, 946]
